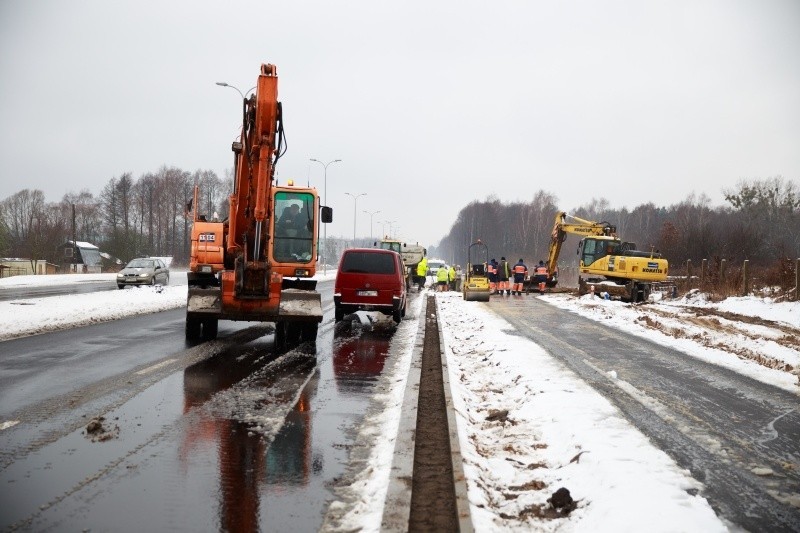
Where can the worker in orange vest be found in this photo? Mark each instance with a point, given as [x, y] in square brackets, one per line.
[520, 272]
[540, 276]
[491, 271]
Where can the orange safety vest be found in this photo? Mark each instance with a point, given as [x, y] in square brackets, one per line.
[520, 269]
[541, 271]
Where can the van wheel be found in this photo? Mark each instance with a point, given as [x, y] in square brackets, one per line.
[397, 315]
[338, 314]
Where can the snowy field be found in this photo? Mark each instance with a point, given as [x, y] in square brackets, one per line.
[754, 336]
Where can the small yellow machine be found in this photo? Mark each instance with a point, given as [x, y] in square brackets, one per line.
[476, 281]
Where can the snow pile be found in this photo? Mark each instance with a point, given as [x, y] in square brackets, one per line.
[528, 426]
[750, 335]
[32, 316]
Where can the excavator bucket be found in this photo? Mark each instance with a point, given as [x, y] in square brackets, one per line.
[299, 305]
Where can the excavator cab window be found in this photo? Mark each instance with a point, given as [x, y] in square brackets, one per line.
[294, 227]
[591, 250]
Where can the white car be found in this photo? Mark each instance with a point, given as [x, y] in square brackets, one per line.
[434, 265]
[143, 271]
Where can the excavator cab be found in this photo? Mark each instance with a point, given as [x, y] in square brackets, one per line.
[592, 249]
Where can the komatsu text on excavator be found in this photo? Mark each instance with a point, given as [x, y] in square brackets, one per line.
[605, 262]
[256, 264]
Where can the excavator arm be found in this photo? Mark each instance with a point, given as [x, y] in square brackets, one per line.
[256, 156]
[559, 234]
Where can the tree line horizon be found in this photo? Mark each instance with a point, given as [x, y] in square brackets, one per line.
[146, 216]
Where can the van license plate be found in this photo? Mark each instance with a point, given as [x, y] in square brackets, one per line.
[367, 293]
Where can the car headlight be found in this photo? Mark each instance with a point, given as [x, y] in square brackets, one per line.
[145, 275]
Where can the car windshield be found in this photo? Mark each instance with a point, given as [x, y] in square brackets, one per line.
[368, 263]
[141, 263]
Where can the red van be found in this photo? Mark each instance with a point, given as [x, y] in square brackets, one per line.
[370, 279]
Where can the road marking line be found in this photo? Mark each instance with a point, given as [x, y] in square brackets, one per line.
[155, 367]
[8, 424]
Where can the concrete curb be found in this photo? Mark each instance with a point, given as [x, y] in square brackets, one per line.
[397, 506]
[459, 479]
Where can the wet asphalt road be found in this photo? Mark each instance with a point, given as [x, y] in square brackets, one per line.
[17, 293]
[738, 436]
[214, 436]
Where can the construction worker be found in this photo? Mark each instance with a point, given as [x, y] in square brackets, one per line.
[491, 271]
[503, 273]
[451, 277]
[540, 276]
[441, 278]
[520, 272]
[422, 271]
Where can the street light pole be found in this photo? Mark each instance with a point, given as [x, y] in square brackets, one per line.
[325, 201]
[371, 213]
[390, 222]
[355, 203]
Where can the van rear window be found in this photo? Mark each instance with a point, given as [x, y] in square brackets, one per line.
[367, 263]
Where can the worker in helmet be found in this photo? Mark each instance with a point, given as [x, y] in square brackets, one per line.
[422, 271]
[442, 276]
[520, 271]
[503, 275]
[540, 276]
[491, 271]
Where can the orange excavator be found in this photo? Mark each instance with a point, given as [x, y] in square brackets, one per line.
[257, 264]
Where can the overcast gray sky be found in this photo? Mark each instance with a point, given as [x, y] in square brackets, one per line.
[430, 105]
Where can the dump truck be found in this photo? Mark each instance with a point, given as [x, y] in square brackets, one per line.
[411, 254]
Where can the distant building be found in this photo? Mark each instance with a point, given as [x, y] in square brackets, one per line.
[83, 257]
[16, 266]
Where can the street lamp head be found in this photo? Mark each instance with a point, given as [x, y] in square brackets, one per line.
[222, 84]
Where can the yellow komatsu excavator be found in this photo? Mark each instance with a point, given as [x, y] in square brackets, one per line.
[606, 263]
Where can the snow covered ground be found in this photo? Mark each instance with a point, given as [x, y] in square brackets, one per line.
[565, 433]
[30, 316]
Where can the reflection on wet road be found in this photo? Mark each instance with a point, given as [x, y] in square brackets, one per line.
[239, 441]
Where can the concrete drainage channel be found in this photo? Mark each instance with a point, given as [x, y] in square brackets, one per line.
[427, 490]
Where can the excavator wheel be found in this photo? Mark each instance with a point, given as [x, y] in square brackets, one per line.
[210, 327]
[308, 332]
[280, 336]
[192, 329]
